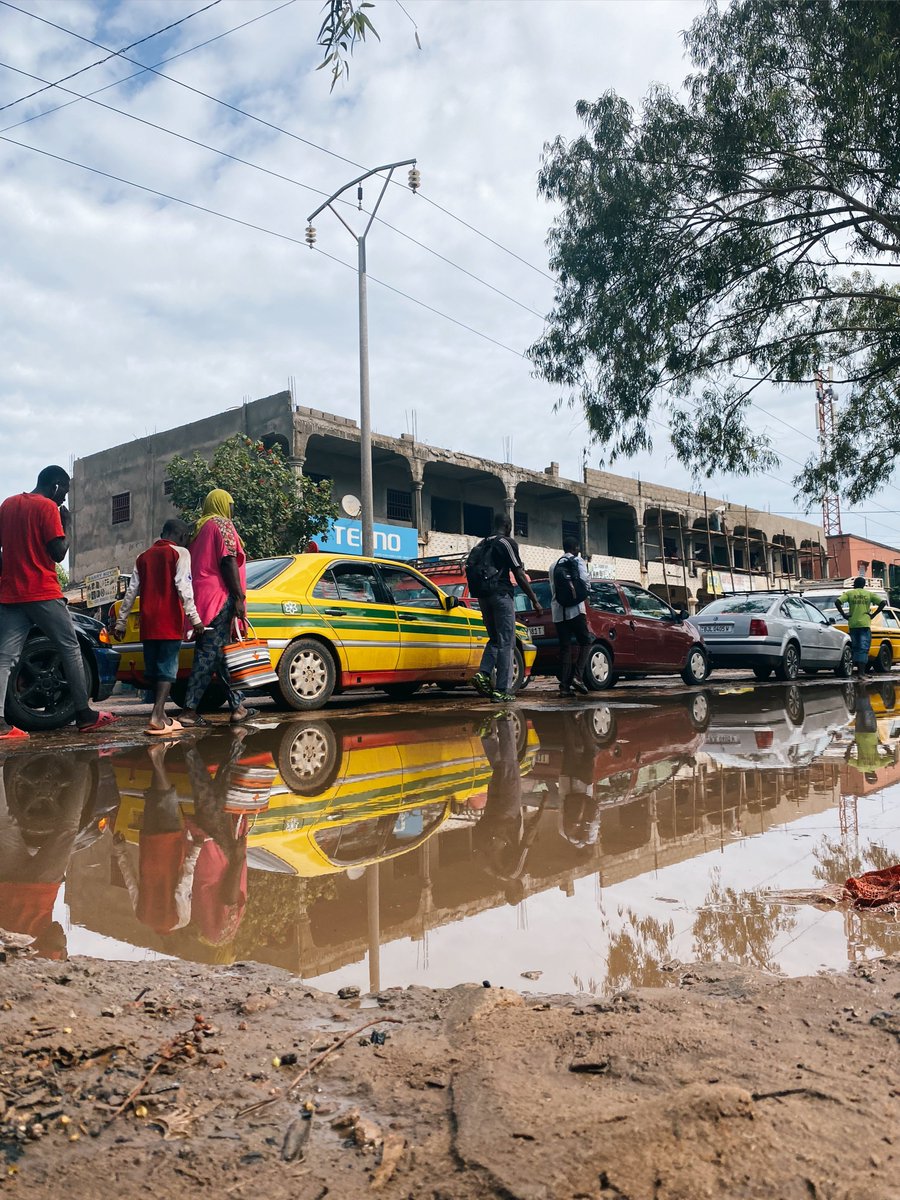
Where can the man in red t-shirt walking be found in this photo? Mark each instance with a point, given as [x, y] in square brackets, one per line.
[162, 578]
[33, 539]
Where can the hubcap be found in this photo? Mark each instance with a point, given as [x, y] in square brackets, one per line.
[602, 719]
[700, 708]
[309, 753]
[308, 674]
[600, 666]
[698, 665]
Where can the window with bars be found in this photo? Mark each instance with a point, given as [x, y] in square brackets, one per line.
[168, 487]
[399, 505]
[571, 529]
[121, 508]
[520, 524]
[317, 477]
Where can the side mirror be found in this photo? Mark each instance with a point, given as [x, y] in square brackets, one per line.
[832, 620]
[451, 602]
[683, 614]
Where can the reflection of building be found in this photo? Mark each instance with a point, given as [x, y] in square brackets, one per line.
[670, 539]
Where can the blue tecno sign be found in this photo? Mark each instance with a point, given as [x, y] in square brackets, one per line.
[391, 541]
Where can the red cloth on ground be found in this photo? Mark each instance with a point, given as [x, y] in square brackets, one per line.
[27, 524]
[162, 614]
[874, 888]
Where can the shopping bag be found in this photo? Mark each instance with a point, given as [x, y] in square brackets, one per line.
[248, 661]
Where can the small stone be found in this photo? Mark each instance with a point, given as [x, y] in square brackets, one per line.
[351, 992]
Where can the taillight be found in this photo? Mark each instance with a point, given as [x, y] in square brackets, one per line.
[758, 628]
[764, 739]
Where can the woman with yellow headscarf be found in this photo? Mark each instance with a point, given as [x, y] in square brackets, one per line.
[218, 567]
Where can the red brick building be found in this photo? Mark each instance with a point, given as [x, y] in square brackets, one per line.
[849, 555]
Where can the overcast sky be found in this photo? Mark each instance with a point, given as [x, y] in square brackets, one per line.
[123, 312]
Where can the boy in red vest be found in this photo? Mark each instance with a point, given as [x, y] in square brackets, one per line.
[162, 578]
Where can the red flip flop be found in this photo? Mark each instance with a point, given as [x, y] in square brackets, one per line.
[103, 719]
[13, 734]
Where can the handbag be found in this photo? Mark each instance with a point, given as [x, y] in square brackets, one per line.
[250, 786]
[248, 661]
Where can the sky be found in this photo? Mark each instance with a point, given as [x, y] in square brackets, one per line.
[124, 311]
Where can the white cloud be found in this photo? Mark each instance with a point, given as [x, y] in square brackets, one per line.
[122, 312]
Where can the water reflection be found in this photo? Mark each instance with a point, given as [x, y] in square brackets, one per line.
[389, 850]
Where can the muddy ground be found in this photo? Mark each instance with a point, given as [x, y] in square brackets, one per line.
[132, 1079]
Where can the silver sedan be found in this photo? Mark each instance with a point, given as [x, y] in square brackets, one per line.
[772, 631]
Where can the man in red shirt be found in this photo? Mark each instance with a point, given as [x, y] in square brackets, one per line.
[33, 539]
[162, 578]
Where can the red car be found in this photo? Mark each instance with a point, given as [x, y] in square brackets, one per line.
[635, 634]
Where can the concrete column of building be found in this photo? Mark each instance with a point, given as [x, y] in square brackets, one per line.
[509, 500]
[297, 460]
[417, 472]
[583, 505]
[640, 543]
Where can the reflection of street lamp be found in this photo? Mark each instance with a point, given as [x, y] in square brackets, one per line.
[365, 423]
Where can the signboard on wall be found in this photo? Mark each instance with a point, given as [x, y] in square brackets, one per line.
[101, 588]
[391, 541]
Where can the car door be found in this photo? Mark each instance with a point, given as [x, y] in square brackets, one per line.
[609, 621]
[830, 642]
[794, 611]
[651, 620]
[434, 643]
[365, 629]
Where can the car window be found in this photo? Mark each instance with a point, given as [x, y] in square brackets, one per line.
[815, 614]
[541, 590]
[409, 590]
[605, 597]
[645, 604]
[356, 582]
[738, 604]
[453, 589]
[890, 619]
[263, 570]
[794, 608]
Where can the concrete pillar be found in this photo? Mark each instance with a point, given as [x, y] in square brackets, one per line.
[583, 505]
[418, 509]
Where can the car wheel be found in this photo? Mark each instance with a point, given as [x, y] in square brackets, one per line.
[38, 696]
[401, 691]
[518, 679]
[885, 657]
[762, 673]
[848, 691]
[888, 695]
[698, 711]
[306, 674]
[598, 674]
[212, 700]
[308, 759]
[520, 733]
[844, 669]
[793, 705]
[789, 667]
[602, 724]
[696, 669]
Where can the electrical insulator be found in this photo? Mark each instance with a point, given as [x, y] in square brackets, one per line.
[415, 179]
[310, 235]
[359, 197]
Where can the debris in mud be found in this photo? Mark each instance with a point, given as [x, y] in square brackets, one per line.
[351, 992]
[532, 974]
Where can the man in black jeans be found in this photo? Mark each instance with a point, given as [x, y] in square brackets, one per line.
[499, 613]
[571, 622]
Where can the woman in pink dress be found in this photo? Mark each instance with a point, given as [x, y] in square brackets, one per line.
[220, 584]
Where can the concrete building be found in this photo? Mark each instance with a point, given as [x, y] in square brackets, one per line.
[851, 555]
[684, 545]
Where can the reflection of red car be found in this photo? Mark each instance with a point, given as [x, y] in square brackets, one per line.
[635, 633]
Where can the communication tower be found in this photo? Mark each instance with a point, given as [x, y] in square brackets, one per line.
[831, 501]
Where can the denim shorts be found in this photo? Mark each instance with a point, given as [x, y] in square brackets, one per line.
[161, 660]
[861, 641]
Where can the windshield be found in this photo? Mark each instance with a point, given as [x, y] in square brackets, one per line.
[737, 604]
[263, 570]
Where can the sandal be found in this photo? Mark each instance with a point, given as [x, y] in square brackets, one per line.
[191, 722]
[13, 734]
[249, 714]
[172, 727]
[103, 719]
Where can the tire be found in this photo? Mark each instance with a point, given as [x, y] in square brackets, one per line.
[888, 695]
[885, 657]
[598, 674]
[518, 680]
[211, 701]
[844, 669]
[401, 691]
[793, 705]
[38, 696]
[601, 721]
[789, 667]
[699, 711]
[696, 669]
[309, 758]
[762, 673]
[306, 674]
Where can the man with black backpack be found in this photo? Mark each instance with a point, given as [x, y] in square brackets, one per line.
[569, 589]
[493, 569]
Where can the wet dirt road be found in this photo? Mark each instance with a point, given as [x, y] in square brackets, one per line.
[559, 845]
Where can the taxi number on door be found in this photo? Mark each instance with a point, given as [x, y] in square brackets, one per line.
[537, 631]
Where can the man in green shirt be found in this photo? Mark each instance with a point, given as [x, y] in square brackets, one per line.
[859, 600]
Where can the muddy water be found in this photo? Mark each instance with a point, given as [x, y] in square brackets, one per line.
[593, 844]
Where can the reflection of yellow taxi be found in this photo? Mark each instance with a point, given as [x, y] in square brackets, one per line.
[342, 799]
[335, 623]
[885, 647]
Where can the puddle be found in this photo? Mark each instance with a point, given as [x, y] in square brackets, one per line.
[587, 847]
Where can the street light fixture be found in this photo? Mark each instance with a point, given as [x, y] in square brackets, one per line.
[365, 422]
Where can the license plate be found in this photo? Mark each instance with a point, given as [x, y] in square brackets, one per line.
[716, 628]
[537, 630]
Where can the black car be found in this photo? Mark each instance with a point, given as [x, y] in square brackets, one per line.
[38, 697]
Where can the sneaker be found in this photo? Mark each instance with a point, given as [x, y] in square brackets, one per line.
[565, 691]
[502, 697]
[482, 684]
[580, 686]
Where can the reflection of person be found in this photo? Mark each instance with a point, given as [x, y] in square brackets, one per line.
[859, 601]
[218, 567]
[42, 797]
[162, 578]
[579, 810]
[867, 752]
[501, 836]
[34, 529]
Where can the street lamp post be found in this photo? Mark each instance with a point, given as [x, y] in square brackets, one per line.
[367, 503]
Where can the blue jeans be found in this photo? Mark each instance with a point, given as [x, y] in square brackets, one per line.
[54, 620]
[499, 616]
[860, 641]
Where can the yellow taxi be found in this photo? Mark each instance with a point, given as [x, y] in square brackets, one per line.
[885, 648]
[335, 622]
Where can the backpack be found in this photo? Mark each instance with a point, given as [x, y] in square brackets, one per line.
[568, 586]
[482, 575]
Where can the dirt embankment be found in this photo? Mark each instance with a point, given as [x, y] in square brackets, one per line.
[158, 1080]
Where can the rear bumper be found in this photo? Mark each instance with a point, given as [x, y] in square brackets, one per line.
[743, 655]
[107, 669]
